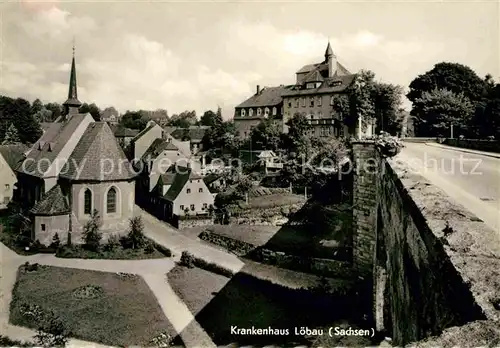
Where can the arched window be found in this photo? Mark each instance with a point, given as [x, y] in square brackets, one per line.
[259, 111]
[87, 202]
[250, 112]
[111, 201]
[242, 112]
[275, 111]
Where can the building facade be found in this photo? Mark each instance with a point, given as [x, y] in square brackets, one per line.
[10, 156]
[314, 94]
[266, 103]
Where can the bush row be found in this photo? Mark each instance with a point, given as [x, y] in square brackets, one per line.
[238, 247]
[189, 260]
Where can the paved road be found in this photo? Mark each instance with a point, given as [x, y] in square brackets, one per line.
[470, 177]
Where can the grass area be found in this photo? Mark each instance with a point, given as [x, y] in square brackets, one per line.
[244, 301]
[125, 313]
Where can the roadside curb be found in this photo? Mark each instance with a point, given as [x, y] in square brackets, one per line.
[461, 149]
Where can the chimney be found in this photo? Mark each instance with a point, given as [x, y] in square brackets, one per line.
[258, 89]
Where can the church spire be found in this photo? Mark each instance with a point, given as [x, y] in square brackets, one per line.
[72, 103]
[329, 51]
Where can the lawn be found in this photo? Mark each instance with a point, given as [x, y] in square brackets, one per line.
[119, 253]
[123, 312]
[244, 301]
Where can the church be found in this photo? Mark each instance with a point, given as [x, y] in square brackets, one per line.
[76, 167]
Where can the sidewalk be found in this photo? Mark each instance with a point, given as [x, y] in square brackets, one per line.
[461, 149]
[166, 235]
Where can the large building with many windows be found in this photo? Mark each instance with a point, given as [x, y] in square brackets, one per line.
[313, 94]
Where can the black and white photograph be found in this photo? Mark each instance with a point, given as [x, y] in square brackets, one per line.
[249, 173]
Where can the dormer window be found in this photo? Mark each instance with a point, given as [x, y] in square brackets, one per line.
[242, 112]
[250, 112]
[266, 112]
[275, 111]
[259, 111]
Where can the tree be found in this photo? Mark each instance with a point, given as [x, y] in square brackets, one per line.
[43, 115]
[486, 120]
[297, 139]
[439, 109]
[183, 120]
[454, 77]
[92, 109]
[29, 129]
[208, 118]
[267, 135]
[91, 232]
[36, 106]
[387, 101]
[11, 136]
[133, 120]
[136, 233]
[109, 112]
[56, 110]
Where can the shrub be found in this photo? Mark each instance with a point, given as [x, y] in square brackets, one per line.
[165, 251]
[388, 145]
[91, 232]
[125, 242]
[30, 267]
[149, 249]
[136, 233]
[212, 267]
[64, 251]
[112, 243]
[55, 241]
[187, 259]
[51, 332]
[7, 342]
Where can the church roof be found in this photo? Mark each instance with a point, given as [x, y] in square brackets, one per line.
[43, 153]
[323, 66]
[55, 202]
[314, 76]
[337, 83]
[13, 154]
[97, 157]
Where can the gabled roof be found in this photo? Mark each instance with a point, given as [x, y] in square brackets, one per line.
[267, 154]
[141, 133]
[158, 146]
[210, 178]
[55, 202]
[181, 175]
[13, 154]
[97, 156]
[47, 148]
[269, 96]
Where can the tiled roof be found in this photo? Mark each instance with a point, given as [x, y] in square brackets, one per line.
[55, 202]
[194, 133]
[48, 147]
[210, 178]
[13, 154]
[157, 147]
[181, 175]
[141, 133]
[341, 70]
[314, 76]
[269, 96]
[97, 156]
[331, 85]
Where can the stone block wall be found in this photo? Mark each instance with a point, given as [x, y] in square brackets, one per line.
[435, 265]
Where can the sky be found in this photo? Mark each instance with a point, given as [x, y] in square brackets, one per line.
[200, 55]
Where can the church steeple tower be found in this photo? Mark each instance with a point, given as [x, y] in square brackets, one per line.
[72, 104]
[330, 60]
